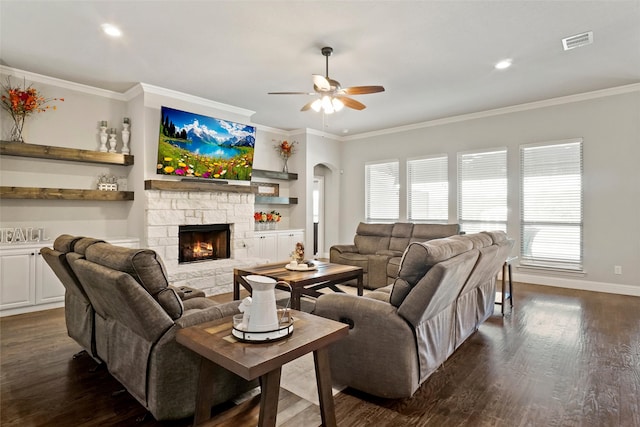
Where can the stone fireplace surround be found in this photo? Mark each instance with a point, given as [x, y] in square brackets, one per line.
[165, 211]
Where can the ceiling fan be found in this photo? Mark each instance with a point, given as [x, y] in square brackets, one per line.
[331, 96]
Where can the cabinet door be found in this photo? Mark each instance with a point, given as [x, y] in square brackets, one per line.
[17, 278]
[287, 243]
[48, 286]
[266, 246]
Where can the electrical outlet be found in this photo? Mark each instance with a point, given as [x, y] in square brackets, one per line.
[617, 269]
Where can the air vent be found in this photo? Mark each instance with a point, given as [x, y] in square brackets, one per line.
[578, 40]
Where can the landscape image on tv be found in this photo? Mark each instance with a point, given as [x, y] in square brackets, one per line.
[192, 145]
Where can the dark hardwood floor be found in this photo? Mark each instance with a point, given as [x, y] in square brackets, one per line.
[561, 358]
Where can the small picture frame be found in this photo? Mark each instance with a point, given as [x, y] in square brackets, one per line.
[266, 189]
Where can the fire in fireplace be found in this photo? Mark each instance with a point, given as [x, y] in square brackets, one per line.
[203, 242]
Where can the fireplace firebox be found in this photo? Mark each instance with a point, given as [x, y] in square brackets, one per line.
[203, 242]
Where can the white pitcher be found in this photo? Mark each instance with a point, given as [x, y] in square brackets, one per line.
[263, 315]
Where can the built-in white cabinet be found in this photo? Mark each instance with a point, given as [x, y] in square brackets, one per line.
[27, 283]
[17, 277]
[287, 243]
[276, 245]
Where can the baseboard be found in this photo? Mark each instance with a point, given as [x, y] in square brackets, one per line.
[30, 308]
[583, 285]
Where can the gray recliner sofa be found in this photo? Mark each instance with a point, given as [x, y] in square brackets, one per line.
[136, 316]
[78, 311]
[378, 248]
[400, 334]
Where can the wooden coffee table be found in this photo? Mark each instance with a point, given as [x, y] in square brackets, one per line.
[214, 342]
[327, 275]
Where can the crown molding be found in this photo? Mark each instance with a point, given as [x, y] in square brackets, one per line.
[39, 78]
[269, 129]
[156, 90]
[619, 90]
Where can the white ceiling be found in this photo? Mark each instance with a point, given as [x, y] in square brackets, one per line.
[435, 58]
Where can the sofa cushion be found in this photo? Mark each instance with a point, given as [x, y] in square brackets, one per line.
[400, 236]
[65, 242]
[425, 232]
[393, 266]
[144, 266]
[497, 236]
[479, 240]
[419, 258]
[81, 245]
[371, 238]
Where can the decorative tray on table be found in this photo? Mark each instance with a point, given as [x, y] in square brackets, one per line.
[302, 266]
[284, 330]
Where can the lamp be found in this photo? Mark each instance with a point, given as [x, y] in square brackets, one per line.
[327, 104]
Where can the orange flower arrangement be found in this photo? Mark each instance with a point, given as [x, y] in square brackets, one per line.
[21, 102]
[285, 148]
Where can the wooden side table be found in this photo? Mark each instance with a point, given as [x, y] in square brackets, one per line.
[504, 294]
[214, 342]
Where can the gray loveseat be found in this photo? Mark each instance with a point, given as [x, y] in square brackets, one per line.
[130, 324]
[378, 248]
[400, 334]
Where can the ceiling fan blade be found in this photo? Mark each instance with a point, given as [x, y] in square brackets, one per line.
[362, 90]
[307, 106]
[321, 82]
[351, 103]
[290, 93]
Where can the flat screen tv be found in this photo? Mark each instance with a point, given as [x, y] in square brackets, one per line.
[196, 146]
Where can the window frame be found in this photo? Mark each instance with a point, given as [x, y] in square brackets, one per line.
[548, 262]
[410, 184]
[367, 185]
[493, 224]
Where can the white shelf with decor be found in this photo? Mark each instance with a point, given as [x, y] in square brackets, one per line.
[27, 283]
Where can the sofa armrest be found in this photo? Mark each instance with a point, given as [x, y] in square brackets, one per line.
[377, 271]
[378, 339]
[187, 292]
[197, 315]
[344, 248]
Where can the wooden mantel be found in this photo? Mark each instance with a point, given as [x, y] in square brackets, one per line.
[205, 186]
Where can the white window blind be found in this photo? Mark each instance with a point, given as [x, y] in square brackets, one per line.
[482, 191]
[382, 192]
[551, 204]
[428, 192]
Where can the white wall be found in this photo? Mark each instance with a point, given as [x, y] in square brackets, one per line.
[610, 127]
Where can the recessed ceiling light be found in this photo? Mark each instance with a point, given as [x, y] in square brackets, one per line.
[504, 64]
[111, 30]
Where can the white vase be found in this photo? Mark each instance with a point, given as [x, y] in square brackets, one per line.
[125, 138]
[112, 143]
[103, 139]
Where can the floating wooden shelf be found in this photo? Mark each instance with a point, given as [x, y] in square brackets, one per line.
[8, 148]
[63, 194]
[270, 200]
[261, 173]
[204, 186]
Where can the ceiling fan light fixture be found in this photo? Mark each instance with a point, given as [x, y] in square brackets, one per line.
[316, 105]
[337, 104]
[327, 106]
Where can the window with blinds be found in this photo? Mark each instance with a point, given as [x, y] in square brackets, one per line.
[551, 204]
[482, 191]
[428, 190]
[382, 191]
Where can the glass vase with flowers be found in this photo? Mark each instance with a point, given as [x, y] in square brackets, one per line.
[285, 149]
[20, 103]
